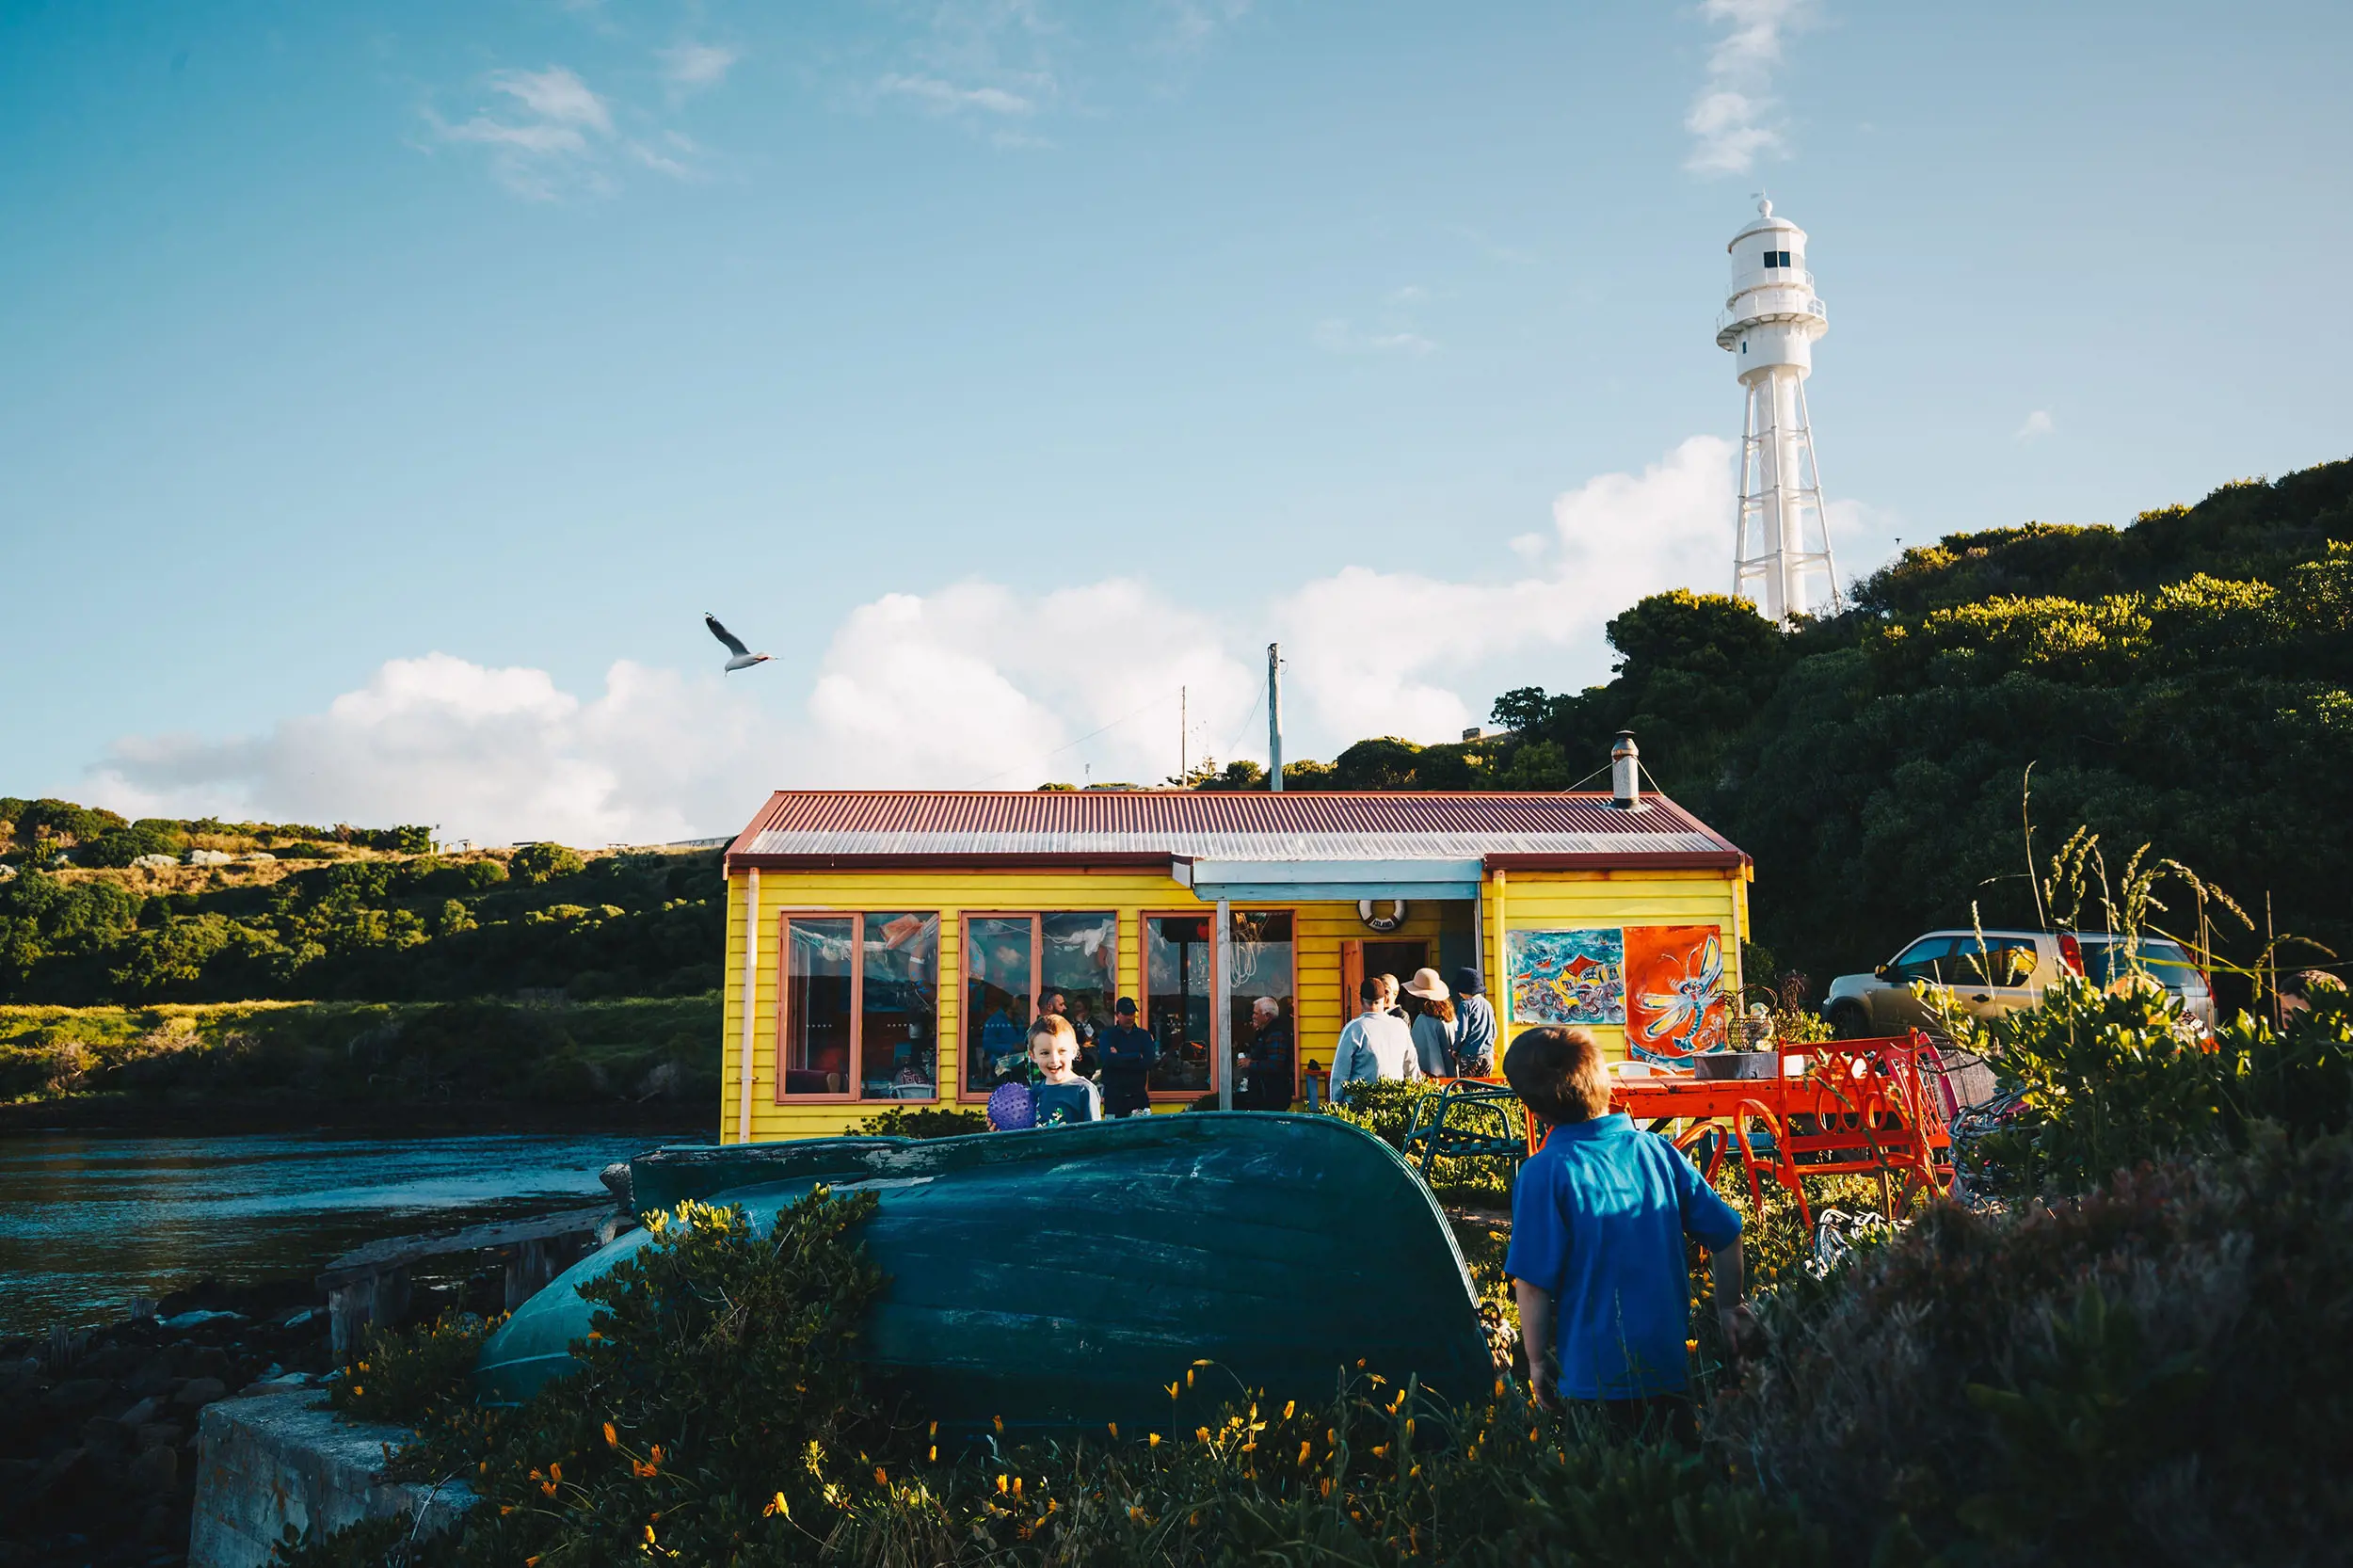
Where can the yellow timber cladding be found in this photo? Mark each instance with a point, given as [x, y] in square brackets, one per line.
[1327, 936]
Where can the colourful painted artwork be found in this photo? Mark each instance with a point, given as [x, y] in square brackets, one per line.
[1567, 977]
[1675, 1003]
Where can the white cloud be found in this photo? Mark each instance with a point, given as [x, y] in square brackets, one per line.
[548, 141]
[557, 136]
[1735, 119]
[1387, 654]
[698, 65]
[976, 684]
[946, 97]
[490, 754]
[557, 96]
[982, 684]
[2038, 424]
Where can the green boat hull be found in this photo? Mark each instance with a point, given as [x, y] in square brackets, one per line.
[1062, 1278]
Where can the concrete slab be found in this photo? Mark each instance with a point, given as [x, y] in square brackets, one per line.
[281, 1458]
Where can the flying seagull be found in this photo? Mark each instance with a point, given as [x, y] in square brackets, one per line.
[745, 658]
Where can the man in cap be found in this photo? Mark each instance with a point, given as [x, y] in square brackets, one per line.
[1474, 1027]
[1126, 1054]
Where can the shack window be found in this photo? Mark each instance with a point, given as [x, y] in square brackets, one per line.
[1014, 965]
[1180, 960]
[1268, 1036]
[859, 1010]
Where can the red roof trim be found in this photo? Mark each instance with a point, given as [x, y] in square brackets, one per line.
[1123, 860]
[1187, 812]
[1727, 860]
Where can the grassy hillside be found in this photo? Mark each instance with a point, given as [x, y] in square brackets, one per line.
[370, 924]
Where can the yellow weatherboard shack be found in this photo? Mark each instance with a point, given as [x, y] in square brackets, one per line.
[889, 948]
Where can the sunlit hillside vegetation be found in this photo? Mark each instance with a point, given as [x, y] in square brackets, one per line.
[359, 917]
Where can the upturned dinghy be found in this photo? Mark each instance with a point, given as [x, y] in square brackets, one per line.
[1063, 1278]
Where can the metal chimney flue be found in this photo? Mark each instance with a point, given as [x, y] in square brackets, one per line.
[1626, 773]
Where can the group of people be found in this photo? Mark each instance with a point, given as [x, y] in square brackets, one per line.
[1446, 1032]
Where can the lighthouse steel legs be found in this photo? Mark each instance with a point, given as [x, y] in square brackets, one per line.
[1780, 554]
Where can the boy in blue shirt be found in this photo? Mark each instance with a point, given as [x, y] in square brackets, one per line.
[1062, 1097]
[1596, 1260]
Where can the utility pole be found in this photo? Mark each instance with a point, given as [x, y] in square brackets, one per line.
[1275, 716]
[1184, 726]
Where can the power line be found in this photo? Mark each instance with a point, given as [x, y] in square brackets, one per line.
[1079, 742]
[1232, 745]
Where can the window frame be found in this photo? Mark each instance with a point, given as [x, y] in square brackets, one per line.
[853, 1094]
[1299, 1054]
[1038, 974]
[1144, 990]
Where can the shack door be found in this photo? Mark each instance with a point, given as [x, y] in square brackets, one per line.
[1359, 959]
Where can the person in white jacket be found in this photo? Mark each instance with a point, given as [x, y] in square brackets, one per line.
[1377, 1043]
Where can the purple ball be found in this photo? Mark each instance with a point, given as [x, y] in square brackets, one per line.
[1011, 1107]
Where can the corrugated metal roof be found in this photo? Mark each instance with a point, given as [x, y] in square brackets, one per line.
[1294, 825]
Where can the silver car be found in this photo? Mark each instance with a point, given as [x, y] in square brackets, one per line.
[1993, 973]
[1982, 974]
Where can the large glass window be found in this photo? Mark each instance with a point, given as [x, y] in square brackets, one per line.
[899, 1008]
[999, 989]
[1261, 1010]
[859, 1006]
[1179, 961]
[813, 1037]
[1013, 965]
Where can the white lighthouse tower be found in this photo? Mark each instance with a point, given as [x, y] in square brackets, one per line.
[1781, 550]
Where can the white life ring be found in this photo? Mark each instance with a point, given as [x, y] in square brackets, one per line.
[1390, 921]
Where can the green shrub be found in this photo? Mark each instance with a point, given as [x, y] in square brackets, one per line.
[414, 1378]
[2150, 1373]
[543, 862]
[121, 846]
[2108, 1080]
[718, 1412]
[922, 1121]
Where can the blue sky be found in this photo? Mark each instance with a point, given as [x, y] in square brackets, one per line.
[386, 391]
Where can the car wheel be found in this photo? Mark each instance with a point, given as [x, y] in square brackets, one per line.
[1850, 1019]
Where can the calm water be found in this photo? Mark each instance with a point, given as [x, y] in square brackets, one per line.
[87, 1222]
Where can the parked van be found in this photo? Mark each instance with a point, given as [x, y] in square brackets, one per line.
[1993, 973]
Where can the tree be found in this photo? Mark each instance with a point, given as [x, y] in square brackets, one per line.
[534, 864]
